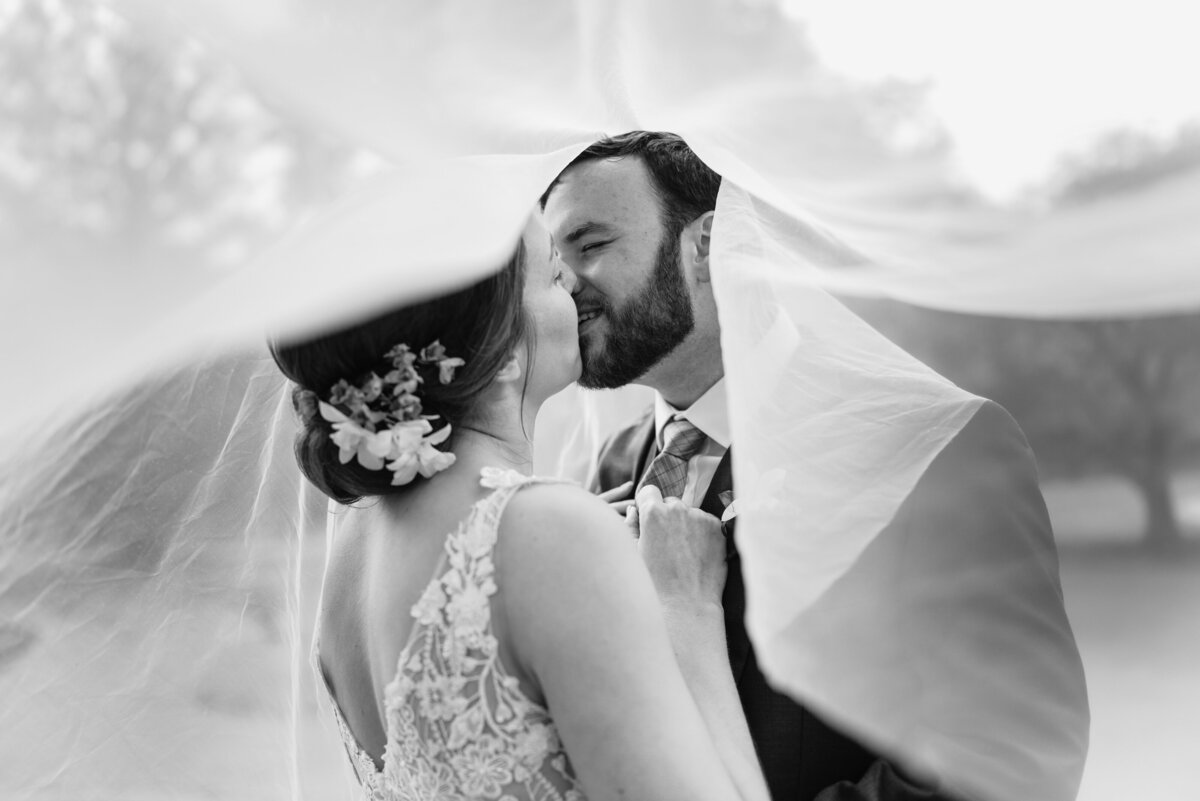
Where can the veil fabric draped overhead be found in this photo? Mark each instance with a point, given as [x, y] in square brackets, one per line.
[161, 554]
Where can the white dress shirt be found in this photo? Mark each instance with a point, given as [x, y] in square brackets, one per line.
[710, 414]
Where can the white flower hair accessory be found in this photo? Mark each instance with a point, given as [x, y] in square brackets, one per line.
[379, 421]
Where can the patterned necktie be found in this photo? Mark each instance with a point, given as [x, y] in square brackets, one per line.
[668, 471]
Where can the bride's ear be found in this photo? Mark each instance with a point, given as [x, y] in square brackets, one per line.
[511, 371]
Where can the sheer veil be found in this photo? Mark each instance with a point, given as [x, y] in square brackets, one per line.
[161, 554]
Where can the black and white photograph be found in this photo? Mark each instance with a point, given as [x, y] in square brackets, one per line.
[599, 400]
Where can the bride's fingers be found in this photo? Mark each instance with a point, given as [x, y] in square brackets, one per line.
[620, 507]
[631, 520]
[616, 493]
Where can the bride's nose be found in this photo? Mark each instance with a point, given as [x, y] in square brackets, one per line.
[570, 279]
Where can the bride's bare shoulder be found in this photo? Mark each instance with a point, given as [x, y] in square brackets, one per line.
[547, 509]
[567, 567]
[555, 540]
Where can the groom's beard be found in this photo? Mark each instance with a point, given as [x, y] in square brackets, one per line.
[645, 329]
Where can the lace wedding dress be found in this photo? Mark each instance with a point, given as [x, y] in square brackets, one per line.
[458, 725]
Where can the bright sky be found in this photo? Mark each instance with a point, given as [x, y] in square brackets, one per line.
[1021, 81]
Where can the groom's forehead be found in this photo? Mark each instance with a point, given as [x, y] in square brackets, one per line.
[604, 192]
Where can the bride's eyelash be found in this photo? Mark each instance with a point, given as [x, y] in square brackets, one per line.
[592, 246]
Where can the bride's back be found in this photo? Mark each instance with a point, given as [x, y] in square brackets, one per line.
[383, 554]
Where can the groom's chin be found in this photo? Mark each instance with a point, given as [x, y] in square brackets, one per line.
[598, 370]
[591, 357]
[601, 373]
[592, 381]
[591, 348]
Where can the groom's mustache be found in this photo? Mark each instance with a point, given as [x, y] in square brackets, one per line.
[589, 306]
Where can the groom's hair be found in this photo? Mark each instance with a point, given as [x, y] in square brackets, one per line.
[685, 185]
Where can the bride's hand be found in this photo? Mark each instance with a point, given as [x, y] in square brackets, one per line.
[618, 498]
[683, 548]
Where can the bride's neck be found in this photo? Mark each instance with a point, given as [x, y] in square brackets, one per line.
[502, 437]
[496, 440]
[478, 447]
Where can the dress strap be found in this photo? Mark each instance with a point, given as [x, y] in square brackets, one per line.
[505, 478]
[469, 567]
[505, 483]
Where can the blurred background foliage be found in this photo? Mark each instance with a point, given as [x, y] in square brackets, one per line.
[1095, 398]
[143, 147]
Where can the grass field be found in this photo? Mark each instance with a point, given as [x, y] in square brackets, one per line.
[1136, 617]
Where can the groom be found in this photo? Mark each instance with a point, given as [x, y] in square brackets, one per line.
[632, 217]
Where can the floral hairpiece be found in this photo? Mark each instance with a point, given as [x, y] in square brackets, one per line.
[380, 419]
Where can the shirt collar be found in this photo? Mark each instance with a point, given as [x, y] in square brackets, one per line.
[710, 414]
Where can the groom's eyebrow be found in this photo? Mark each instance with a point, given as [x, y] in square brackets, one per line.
[585, 229]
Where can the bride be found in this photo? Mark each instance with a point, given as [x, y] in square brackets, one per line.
[484, 633]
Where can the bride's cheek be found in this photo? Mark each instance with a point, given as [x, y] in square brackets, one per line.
[570, 320]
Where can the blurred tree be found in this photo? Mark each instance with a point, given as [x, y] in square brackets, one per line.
[116, 136]
[1116, 397]
[1124, 160]
[1112, 396]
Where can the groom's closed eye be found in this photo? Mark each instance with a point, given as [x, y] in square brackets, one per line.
[592, 246]
[586, 229]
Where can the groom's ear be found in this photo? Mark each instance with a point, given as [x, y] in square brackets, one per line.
[700, 232]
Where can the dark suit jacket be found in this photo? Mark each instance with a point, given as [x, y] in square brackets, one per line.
[803, 757]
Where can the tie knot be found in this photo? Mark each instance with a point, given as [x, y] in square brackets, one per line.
[681, 439]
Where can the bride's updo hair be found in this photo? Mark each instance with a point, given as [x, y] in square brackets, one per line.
[481, 324]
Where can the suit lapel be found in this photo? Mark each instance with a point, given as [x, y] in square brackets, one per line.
[634, 449]
[722, 481]
[734, 597]
[626, 455]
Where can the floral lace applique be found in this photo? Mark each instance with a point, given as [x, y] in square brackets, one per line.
[501, 478]
[458, 725]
